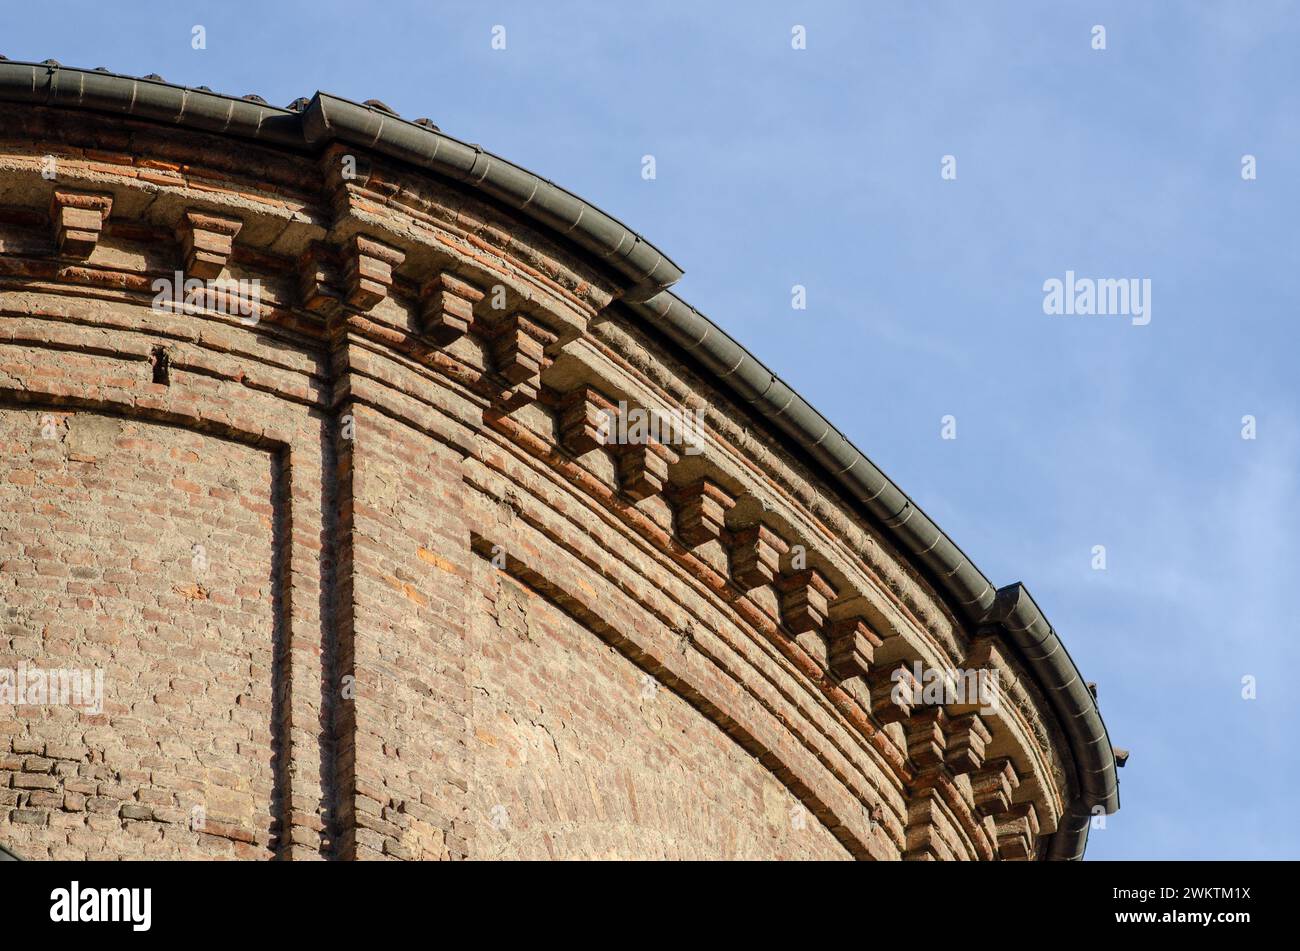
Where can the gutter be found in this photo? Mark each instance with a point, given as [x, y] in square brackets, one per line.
[327, 118]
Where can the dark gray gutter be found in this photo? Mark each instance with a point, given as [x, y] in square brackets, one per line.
[7, 856]
[978, 601]
[328, 118]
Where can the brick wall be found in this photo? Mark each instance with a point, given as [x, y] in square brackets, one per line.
[146, 553]
[432, 621]
[579, 753]
[403, 762]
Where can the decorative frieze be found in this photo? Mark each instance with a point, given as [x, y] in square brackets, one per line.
[587, 420]
[755, 556]
[447, 307]
[368, 271]
[805, 600]
[206, 243]
[702, 508]
[852, 647]
[77, 219]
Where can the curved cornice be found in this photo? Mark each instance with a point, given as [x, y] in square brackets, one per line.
[1010, 608]
[327, 119]
[648, 274]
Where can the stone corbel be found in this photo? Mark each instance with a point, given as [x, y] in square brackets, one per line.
[805, 600]
[519, 347]
[78, 218]
[852, 648]
[368, 271]
[206, 243]
[586, 418]
[755, 556]
[447, 307]
[702, 509]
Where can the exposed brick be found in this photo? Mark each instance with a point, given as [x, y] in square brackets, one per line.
[351, 593]
[34, 781]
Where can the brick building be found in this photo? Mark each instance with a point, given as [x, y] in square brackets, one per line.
[382, 501]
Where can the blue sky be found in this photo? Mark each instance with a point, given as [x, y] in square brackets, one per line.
[821, 167]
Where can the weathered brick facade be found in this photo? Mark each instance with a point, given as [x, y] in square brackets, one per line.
[364, 582]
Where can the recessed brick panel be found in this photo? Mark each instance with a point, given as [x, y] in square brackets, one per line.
[145, 552]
